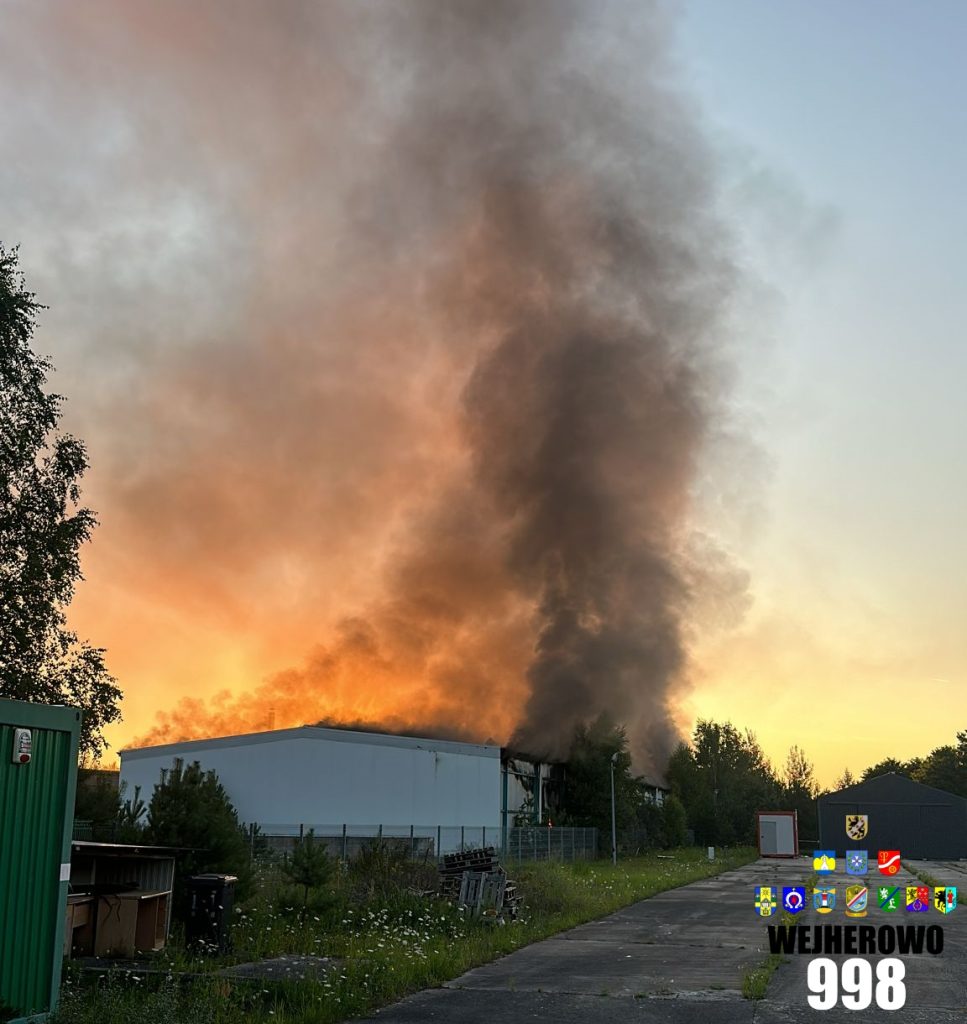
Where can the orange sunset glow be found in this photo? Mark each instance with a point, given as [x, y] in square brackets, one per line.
[438, 373]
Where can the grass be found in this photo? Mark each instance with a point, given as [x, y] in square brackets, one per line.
[755, 983]
[924, 876]
[384, 946]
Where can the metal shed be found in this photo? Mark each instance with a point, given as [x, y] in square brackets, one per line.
[120, 899]
[38, 776]
[921, 822]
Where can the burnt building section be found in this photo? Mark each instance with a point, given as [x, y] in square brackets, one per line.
[921, 822]
[532, 791]
[654, 792]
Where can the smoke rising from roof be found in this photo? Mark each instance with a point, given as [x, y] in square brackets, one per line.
[409, 325]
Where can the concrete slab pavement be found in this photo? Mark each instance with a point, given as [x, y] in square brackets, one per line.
[699, 938]
[936, 985]
[675, 957]
[449, 1006]
[681, 957]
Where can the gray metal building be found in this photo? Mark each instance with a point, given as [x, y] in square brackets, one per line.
[921, 822]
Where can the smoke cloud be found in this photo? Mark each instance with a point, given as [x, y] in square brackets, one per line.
[394, 331]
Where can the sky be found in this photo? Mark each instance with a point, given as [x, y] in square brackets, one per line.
[155, 176]
[844, 129]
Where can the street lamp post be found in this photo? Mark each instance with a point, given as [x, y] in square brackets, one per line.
[614, 828]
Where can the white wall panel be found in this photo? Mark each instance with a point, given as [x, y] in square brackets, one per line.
[324, 776]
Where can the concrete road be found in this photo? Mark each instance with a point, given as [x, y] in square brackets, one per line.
[936, 985]
[681, 957]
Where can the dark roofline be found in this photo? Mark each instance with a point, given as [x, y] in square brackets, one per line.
[512, 754]
[125, 849]
[893, 775]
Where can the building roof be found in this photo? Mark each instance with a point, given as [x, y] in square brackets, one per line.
[312, 733]
[892, 788]
[81, 846]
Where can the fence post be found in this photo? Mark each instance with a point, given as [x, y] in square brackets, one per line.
[301, 831]
[462, 844]
[344, 847]
[548, 844]
[439, 841]
[483, 836]
[412, 848]
[379, 833]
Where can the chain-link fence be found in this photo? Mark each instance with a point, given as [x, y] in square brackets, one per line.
[423, 842]
[543, 843]
[426, 842]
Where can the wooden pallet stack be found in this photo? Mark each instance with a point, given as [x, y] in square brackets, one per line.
[455, 864]
[475, 879]
[513, 901]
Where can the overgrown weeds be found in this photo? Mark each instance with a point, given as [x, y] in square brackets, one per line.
[384, 869]
[756, 981]
[918, 872]
[376, 939]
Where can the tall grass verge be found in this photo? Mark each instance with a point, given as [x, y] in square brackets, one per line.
[382, 947]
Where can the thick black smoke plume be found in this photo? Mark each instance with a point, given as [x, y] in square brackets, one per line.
[412, 329]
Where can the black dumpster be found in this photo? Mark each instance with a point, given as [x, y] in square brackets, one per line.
[211, 899]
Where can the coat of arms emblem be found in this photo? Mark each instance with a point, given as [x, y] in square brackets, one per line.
[857, 825]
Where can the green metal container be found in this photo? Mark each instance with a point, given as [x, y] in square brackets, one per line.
[36, 814]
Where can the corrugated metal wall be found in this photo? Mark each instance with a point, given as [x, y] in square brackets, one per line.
[150, 875]
[919, 821]
[33, 801]
[370, 778]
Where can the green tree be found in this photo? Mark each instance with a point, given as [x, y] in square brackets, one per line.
[42, 527]
[102, 801]
[692, 785]
[97, 798]
[309, 868]
[888, 764]
[943, 768]
[799, 775]
[845, 780]
[649, 826]
[191, 809]
[799, 791]
[131, 826]
[741, 777]
[587, 794]
[98, 801]
[674, 821]
[722, 779]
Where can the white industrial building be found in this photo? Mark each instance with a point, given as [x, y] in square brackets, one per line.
[324, 778]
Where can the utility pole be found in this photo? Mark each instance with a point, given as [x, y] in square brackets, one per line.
[614, 827]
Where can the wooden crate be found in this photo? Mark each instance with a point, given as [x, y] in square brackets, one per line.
[131, 922]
